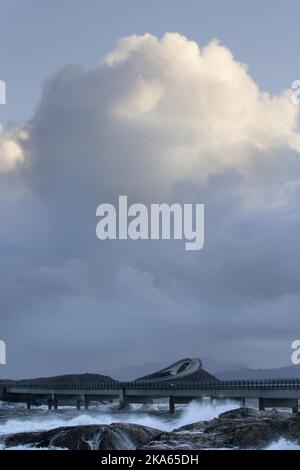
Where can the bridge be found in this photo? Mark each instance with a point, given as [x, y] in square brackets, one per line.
[182, 382]
[269, 393]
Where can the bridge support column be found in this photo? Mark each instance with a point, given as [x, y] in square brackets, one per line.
[55, 402]
[123, 400]
[86, 402]
[261, 404]
[28, 404]
[78, 404]
[171, 405]
[49, 401]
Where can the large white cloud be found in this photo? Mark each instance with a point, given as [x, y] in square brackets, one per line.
[163, 108]
[204, 102]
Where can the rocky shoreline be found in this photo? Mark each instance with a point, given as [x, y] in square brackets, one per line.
[242, 428]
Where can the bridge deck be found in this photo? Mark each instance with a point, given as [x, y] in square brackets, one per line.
[284, 391]
[246, 388]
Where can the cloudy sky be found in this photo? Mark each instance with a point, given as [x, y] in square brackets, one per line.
[164, 101]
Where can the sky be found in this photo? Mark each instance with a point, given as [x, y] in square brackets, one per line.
[164, 101]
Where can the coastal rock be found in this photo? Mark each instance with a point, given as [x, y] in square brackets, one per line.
[292, 429]
[243, 428]
[179, 441]
[116, 436]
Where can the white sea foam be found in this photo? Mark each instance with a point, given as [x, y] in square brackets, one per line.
[41, 419]
[283, 444]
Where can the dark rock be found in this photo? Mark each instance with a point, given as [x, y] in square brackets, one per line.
[243, 428]
[253, 430]
[178, 441]
[199, 427]
[291, 430]
[239, 413]
[116, 436]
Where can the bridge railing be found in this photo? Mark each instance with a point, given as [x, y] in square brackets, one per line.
[176, 385]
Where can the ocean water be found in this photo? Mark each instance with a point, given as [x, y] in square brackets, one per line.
[16, 418]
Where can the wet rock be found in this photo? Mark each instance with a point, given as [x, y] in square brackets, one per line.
[179, 441]
[292, 429]
[239, 413]
[193, 427]
[242, 428]
[116, 436]
[245, 428]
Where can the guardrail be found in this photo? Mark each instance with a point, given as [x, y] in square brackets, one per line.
[188, 385]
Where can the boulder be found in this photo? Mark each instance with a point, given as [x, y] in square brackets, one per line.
[116, 436]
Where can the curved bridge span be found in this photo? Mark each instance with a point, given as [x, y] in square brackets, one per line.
[184, 370]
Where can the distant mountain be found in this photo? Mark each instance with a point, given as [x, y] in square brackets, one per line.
[211, 365]
[81, 378]
[257, 374]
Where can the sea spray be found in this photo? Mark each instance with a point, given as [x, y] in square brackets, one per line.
[39, 418]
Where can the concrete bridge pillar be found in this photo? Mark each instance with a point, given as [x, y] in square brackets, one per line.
[28, 404]
[261, 404]
[49, 401]
[171, 405]
[55, 402]
[86, 402]
[123, 400]
[78, 404]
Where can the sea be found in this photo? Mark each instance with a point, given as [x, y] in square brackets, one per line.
[15, 418]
